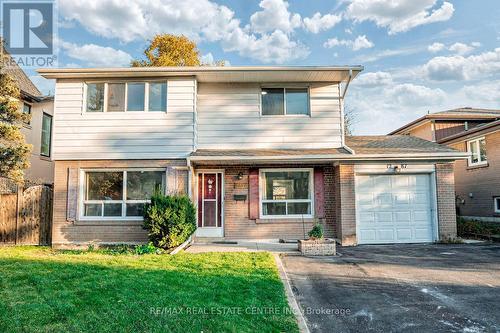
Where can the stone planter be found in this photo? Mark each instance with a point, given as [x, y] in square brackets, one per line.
[317, 247]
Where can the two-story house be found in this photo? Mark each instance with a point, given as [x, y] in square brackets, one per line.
[477, 179]
[38, 131]
[260, 150]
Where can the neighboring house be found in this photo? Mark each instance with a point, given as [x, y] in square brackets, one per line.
[38, 131]
[477, 132]
[260, 150]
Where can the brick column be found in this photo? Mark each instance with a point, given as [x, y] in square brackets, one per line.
[345, 201]
[445, 184]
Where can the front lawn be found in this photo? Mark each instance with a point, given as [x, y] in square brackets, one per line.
[43, 290]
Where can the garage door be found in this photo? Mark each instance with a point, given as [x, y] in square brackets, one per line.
[394, 209]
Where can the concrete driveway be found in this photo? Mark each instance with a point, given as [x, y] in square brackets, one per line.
[400, 288]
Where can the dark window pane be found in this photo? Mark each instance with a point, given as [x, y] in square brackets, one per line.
[274, 208]
[297, 101]
[286, 185]
[116, 97]
[158, 96]
[273, 101]
[26, 108]
[95, 97]
[104, 186]
[135, 97]
[497, 200]
[299, 208]
[46, 134]
[142, 184]
[93, 210]
[135, 209]
[112, 209]
[482, 149]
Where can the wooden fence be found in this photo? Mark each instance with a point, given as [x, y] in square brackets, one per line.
[26, 216]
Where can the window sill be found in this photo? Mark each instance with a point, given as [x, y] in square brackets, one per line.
[109, 222]
[287, 220]
[45, 158]
[477, 166]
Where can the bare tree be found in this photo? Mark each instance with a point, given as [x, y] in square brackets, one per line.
[350, 119]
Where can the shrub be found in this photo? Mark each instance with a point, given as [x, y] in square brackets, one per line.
[170, 220]
[474, 227]
[316, 232]
[147, 249]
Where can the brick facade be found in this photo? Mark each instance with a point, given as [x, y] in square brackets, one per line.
[345, 204]
[339, 205]
[66, 232]
[445, 184]
[483, 182]
[239, 225]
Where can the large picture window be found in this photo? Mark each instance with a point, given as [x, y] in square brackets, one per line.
[126, 96]
[285, 101]
[119, 194]
[286, 193]
[477, 148]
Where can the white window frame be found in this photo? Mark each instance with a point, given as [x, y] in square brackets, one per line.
[45, 114]
[496, 205]
[311, 194]
[124, 201]
[126, 83]
[476, 142]
[308, 88]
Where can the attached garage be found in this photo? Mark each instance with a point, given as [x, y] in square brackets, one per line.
[395, 208]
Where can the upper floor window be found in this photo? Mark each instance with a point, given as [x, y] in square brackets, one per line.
[127, 96]
[27, 112]
[477, 148]
[497, 204]
[285, 101]
[95, 97]
[46, 134]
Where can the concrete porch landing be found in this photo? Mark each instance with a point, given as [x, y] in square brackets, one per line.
[201, 246]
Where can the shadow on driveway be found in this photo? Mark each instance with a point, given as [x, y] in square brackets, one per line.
[400, 288]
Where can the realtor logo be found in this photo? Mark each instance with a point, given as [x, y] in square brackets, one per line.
[27, 27]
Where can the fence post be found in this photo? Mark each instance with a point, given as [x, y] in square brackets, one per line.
[18, 210]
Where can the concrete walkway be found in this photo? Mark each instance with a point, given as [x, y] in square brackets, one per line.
[243, 246]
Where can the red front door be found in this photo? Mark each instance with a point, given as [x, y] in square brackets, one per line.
[210, 199]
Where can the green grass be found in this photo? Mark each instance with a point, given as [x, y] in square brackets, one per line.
[43, 290]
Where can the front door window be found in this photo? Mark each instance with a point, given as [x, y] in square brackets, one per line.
[210, 200]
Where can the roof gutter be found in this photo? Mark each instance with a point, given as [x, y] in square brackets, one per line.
[337, 157]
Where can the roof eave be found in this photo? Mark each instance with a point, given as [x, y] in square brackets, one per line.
[449, 156]
[60, 73]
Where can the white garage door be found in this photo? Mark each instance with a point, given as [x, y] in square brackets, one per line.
[394, 209]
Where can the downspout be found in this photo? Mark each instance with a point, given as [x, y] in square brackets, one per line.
[342, 118]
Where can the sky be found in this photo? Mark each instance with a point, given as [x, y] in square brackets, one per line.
[418, 56]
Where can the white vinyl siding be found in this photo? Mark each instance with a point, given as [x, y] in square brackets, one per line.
[123, 135]
[229, 117]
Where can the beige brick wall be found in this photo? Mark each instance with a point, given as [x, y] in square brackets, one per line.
[445, 184]
[67, 232]
[345, 204]
[237, 224]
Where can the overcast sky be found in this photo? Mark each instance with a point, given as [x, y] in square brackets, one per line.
[419, 56]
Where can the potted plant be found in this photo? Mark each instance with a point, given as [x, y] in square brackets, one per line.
[317, 244]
